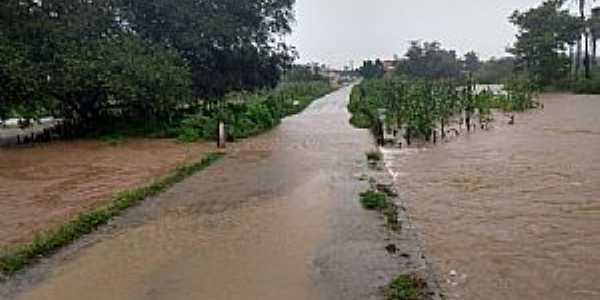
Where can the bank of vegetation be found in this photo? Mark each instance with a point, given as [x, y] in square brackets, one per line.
[432, 89]
[151, 67]
[45, 244]
[247, 114]
[426, 109]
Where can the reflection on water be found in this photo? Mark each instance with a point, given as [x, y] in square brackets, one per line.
[513, 213]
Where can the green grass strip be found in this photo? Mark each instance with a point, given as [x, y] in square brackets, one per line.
[45, 244]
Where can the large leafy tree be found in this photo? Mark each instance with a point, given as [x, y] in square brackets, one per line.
[89, 59]
[544, 33]
[229, 44]
[471, 62]
[40, 34]
[430, 61]
[495, 70]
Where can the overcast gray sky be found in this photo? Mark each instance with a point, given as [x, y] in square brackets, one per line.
[337, 31]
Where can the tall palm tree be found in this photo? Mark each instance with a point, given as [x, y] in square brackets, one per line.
[586, 60]
[594, 24]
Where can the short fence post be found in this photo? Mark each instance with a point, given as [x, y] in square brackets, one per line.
[221, 136]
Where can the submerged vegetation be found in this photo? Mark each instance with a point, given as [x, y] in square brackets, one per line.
[374, 200]
[14, 260]
[424, 109]
[374, 156]
[381, 201]
[405, 287]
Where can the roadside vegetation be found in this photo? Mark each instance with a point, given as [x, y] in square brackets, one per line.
[380, 198]
[377, 200]
[405, 287]
[153, 68]
[247, 114]
[45, 244]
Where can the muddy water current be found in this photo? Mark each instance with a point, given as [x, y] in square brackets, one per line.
[43, 186]
[277, 218]
[513, 213]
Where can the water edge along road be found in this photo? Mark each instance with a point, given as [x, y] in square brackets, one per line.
[279, 218]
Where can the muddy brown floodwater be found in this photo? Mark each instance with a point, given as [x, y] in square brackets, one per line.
[513, 213]
[42, 186]
[277, 218]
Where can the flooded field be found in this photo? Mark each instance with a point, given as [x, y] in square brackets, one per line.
[45, 185]
[513, 213]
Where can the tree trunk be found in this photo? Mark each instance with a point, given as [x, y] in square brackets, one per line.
[468, 121]
[594, 49]
[578, 59]
[587, 60]
[443, 129]
[571, 58]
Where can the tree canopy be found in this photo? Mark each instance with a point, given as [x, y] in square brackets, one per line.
[83, 60]
[544, 34]
[429, 60]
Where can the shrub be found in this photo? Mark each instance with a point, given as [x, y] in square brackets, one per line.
[374, 155]
[405, 287]
[374, 200]
[248, 114]
[587, 86]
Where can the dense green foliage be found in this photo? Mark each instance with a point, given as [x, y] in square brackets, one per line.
[553, 44]
[430, 61]
[420, 107]
[372, 69]
[228, 44]
[495, 71]
[373, 200]
[45, 244]
[105, 61]
[304, 73]
[248, 114]
[544, 33]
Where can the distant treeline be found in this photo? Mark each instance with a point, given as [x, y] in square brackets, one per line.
[92, 62]
[430, 61]
[556, 48]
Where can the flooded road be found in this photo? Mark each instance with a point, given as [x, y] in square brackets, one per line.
[278, 218]
[513, 213]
